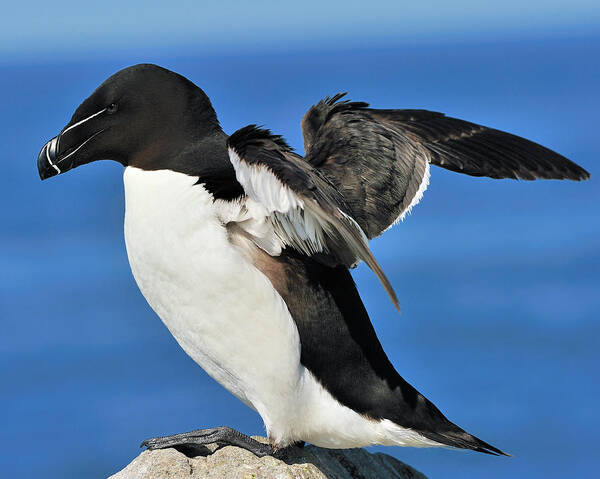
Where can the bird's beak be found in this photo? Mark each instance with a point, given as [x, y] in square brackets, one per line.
[46, 162]
[65, 152]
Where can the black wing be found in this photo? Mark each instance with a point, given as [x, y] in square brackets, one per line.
[305, 209]
[378, 159]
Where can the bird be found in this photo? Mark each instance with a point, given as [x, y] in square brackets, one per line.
[244, 247]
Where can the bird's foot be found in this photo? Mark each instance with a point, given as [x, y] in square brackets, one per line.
[222, 435]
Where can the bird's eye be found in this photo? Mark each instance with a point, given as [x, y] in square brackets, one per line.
[112, 108]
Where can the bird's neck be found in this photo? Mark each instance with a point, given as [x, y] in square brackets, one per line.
[204, 156]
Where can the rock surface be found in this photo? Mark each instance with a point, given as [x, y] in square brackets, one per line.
[299, 463]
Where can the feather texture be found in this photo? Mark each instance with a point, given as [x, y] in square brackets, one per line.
[304, 208]
[378, 159]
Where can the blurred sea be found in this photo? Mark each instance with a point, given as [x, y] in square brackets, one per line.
[499, 281]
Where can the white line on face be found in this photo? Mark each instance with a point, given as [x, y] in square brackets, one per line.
[84, 120]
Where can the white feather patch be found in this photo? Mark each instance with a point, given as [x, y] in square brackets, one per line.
[418, 195]
[263, 186]
[253, 219]
[293, 222]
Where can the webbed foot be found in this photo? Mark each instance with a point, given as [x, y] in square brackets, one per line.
[222, 435]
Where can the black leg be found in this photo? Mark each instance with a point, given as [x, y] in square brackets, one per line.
[220, 435]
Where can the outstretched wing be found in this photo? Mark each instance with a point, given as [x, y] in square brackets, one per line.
[306, 211]
[379, 159]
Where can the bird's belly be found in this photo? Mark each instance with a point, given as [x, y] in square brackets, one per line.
[223, 312]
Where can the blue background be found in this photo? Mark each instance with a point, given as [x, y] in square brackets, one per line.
[499, 280]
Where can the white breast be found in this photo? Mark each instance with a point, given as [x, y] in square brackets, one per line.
[221, 310]
[228, 317]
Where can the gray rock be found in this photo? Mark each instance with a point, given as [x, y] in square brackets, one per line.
[299, 463]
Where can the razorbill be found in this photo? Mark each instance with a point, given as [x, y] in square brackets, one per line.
[243, 247]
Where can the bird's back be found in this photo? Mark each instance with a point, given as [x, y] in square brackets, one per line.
[340, 348]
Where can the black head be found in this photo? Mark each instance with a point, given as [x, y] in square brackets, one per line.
[143, 116]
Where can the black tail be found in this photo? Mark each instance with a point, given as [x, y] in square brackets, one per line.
[461, 439]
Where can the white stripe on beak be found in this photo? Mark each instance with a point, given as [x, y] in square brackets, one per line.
[77, 149]
[52, 143]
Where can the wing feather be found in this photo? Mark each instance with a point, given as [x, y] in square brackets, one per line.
[306, 211]
[379, 159]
